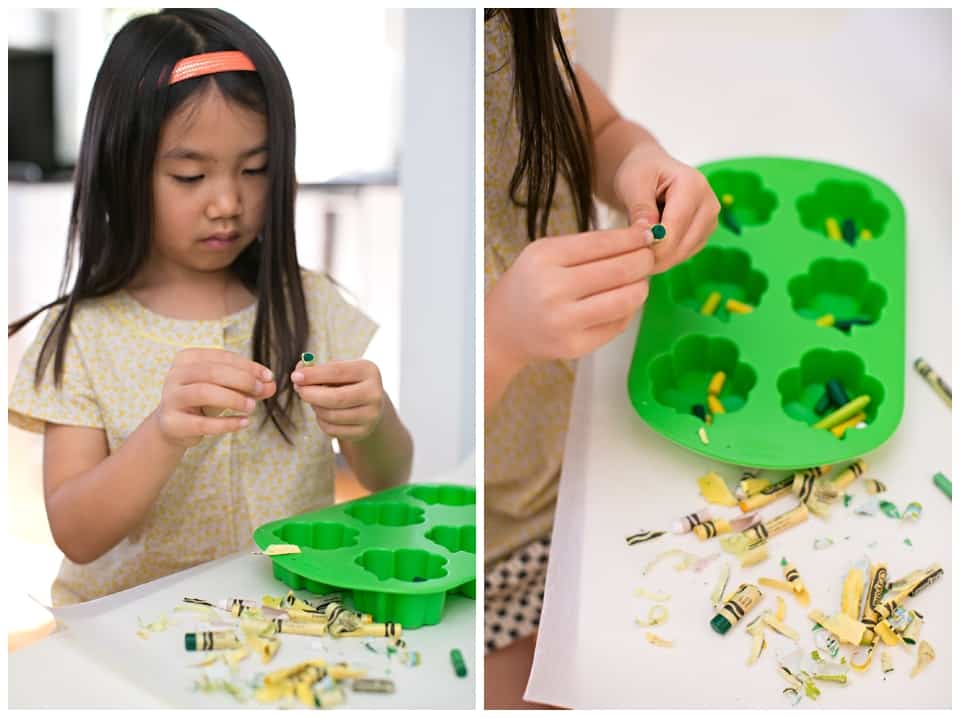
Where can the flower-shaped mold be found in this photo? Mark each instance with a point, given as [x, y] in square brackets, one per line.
[802, 388]
[843, 211]
[681, 377]
[715, 269]
[386, 513]
[404, 564]
[743, 199]
[455, 538]
[323, 535]
[837, 293]
[444, 495]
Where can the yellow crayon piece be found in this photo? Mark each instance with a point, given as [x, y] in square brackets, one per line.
[754, 556]
[773, 583]
[773, 492]
[750, 486]
[654, 639]
[840, 429]
[846, 629]
[374, 630]
[299, 629]
[343, 672]
[714, 490]
[308, 358]
[711, 528]
[726, 200]
[804, 482]
[788, 519]
[711, 304]
[849, 475]
[833, 228]
[887, 634]
[866, 234]
[284, 674]
[281, 549]
[780, 628]
[702, 433]
[852, 593]
[827, 320]
[210, 640]
[735, 307]
[781, 608]
[715, 406]
[793, 577]
[843, 413]
[716, 383]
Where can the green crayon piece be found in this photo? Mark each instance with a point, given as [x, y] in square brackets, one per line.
[308, 359]
[821, 408]
[728, 220]
[838, 395]
[459, 667]
[659, 232]
[943, 483]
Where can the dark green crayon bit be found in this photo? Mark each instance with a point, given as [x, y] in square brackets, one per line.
[823, 404]
[459, 667]
[699, 411]
[659, 232]
[728, 220]
[849, 231]
[838, 394]
[944, 484]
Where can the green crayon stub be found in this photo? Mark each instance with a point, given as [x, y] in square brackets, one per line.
[459, 667]
[944, 484]
[720, 624]
[307, 358]
[659, 232]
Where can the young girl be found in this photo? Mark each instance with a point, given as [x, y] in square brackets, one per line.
[166, 381]
[555, 291]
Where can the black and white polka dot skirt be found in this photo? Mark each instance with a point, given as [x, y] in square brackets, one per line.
[513, 595]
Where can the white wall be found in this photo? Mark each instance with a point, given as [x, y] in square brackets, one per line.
[437, 379]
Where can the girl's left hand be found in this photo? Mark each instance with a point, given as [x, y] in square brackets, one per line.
[347, 396]
[649, 180]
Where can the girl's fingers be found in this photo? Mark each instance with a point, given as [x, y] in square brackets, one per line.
[338, 397]
[199, 425]
[611, 306]
[222, 356]
[699, 230]
[573, 249]
[342, 432]
[195, 396]
[223, 374]
[358, 416]
[678, 212]
[610, 273]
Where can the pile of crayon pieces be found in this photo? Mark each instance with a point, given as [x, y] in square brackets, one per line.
[847, 413]
[713, 405]
[846, 230]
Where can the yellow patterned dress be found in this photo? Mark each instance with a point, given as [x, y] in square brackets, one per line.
[118, 354]
[525, 433]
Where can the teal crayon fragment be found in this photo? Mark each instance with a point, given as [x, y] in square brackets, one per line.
[849, 231]
[943, 483]
[659, 232]
[728, 220]
[459, 666]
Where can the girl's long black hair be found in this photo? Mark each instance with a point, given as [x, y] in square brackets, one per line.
[110, 218]
[555, 137]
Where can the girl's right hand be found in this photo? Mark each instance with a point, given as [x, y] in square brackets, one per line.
[565, 296]
[216, 378]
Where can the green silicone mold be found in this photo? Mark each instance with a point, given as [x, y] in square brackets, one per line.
[400, 552]
[778, 357]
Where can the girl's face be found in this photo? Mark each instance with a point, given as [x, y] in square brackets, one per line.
[209, 184]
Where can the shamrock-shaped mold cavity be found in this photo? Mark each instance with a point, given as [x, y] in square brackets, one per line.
[386, 513]
[837, 293]
[413, 565]
[719, 282]
[444, 495]
[843, 211]
[454, 538]
[323, 535]
[743, 199]
[681, 378]
[806, 396]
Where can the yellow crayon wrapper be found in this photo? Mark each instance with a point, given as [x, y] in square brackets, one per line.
[887, 634]
[833, 228]
[751, 486]
[852, 593]
[714, 490]
[768, 495]
[827, 320]
[843, 413]
[925, 656]
[343, 672]
[875, 590]
[711, 528]
[773, 583]
[298, 628]
[285, 674]
[840, 429]
[754, 556]
[710, 305]
[715, 405]
[716, 383]
[849, 475]
[795, 516]
[735, 307]
[374, 630]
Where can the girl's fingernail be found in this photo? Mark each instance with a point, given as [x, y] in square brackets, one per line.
[648, 237]
[244, 421]
[297, 376]
[267, 375]
[249, 404]
[257, 387]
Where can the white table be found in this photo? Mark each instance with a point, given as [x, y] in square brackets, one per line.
[619, 476]
[96, 660]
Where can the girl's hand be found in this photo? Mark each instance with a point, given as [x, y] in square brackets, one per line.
[649, 179]
[565, 296]
[214, 378]
[347, 396]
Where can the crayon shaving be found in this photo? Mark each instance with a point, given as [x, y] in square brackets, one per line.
[874, 486]
[657, 641]
[657, 615]
[161, 624]
[705, 561]
[754, 556]
[912, 512]
[886, 664]
[206, 684]
[688, 560]
[720, 586]
[925, 656]
[781, 608]
[278, 549]
[779, 627]
[715, 490]
[778, 585]
[759, 644]
[652, 595]
[822, 543]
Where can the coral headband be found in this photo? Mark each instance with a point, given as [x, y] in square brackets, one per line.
[209, 63]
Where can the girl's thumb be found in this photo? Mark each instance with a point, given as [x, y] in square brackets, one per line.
[644, 213]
